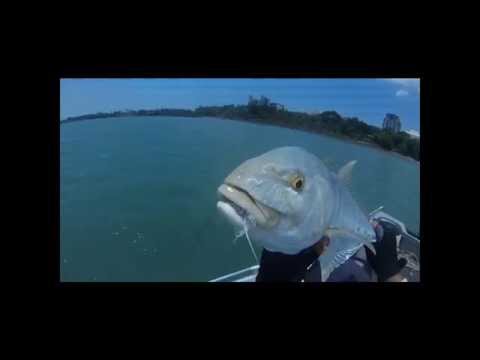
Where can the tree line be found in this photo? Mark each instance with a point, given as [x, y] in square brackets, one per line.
[264, 111]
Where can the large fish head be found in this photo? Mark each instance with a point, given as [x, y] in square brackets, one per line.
[285, 196]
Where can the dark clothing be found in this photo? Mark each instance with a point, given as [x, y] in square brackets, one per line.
[276, 266]
[355, 269]
[386, 262]
[359, 268]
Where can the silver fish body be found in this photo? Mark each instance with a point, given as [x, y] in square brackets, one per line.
[284, 217]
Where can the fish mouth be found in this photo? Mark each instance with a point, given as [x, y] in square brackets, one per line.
[243, 204]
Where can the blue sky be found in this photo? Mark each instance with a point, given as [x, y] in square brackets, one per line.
[367, 99]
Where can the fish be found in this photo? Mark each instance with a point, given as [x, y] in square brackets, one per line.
[286, 200]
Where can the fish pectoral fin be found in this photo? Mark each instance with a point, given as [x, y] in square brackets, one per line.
[343, 245]
[342, 233]
[345, 173]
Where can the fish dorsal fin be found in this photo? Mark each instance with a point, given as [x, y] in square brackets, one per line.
[345, 173]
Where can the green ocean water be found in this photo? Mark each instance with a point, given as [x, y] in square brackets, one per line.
[138, 195]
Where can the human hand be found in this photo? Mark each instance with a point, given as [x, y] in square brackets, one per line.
[385, 262]
[321, 245]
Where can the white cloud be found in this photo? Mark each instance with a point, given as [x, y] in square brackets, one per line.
[407, 83]
[401, 93]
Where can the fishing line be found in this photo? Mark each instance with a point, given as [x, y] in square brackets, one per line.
[251, 246]
[245, 226]
[244, 231]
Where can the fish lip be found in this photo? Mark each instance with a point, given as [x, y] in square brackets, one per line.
[239, 209]
[224, 197]
[242, 191]
[268, 219]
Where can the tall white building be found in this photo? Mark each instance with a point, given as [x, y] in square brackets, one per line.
[392, 123]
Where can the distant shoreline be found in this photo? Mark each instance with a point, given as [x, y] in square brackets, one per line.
[263, 111]
[253, 121]
[333, 136]
[391, 152]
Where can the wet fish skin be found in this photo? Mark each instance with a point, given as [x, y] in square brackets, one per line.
[294, 219]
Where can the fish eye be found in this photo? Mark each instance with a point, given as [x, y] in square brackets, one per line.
[297, 182]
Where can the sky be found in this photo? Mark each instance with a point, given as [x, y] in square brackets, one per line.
[367, 99]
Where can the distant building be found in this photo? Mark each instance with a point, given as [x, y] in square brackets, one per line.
[392, 123]
[278, 106]
[413, 134]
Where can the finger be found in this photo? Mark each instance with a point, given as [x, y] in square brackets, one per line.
[326, 240]
[379, 232]
[390, 228]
